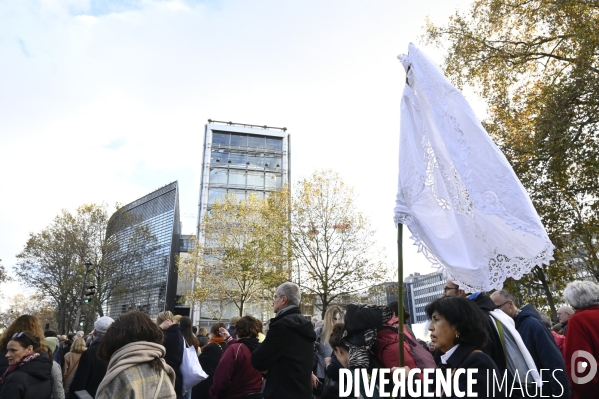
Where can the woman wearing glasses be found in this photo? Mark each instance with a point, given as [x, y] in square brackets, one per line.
[29, 374]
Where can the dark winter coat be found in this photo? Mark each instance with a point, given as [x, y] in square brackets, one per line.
[90, 372]
[544, 351]
[234, 376]
[33, 380]
[494, 347]
[3, 361]
[287, 354]
[466, 357]
[174, 345]
[209, 359]
[332, 379]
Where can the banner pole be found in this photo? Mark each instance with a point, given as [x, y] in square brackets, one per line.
[400, 289]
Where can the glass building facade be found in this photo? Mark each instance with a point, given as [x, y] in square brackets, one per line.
[240, 160]
[421, 290]
[151, 279]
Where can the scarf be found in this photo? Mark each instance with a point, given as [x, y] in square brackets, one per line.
[214, 340]
[11, 369]
[131, 355]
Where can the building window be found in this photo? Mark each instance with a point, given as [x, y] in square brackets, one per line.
[239, 140]
[220, 139]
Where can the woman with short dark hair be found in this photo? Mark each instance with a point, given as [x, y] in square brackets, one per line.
[234, 376]
[458, 329]
[29, 373]
[338, 360]
[132, 347]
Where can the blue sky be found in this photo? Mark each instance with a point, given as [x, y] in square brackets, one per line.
[105, 101]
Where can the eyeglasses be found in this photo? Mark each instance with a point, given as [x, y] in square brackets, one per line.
[505, 303]
[277, 296]
[446, 288]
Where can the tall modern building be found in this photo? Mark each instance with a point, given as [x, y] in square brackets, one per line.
[421, 289]
[149, 271]
[241, 159]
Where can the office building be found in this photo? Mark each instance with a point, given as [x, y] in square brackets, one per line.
[147, 232]
[240, 160]
[420, 291]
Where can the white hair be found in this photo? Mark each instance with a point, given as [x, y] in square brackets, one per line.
[291, 291]
[582, 294]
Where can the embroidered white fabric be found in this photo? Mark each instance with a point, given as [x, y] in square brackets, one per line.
[466, 209]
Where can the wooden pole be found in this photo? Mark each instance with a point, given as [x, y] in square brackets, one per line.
[400, 305]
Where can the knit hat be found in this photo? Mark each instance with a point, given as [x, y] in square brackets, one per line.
[233, 320]
[52, 343]
[102, 324]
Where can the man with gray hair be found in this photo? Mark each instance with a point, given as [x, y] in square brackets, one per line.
[563, 315]
[91, 370]
[539, 342]
[286, 356]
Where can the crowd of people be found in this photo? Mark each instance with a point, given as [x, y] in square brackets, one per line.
[137, 357]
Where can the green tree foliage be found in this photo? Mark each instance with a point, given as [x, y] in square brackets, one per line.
[52, 261]
[535, 63]
[332, 241]
[243, 251]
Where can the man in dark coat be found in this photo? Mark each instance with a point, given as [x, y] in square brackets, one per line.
[91, 370]
[539, 342]
[286, 355]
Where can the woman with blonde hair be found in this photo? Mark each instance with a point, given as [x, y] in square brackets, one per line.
[71, 361]
[322, 347]
[174, 345]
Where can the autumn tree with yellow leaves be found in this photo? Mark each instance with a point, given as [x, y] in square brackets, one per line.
[242, 253]
[536, 64]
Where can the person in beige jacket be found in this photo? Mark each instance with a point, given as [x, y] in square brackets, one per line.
[71, 361]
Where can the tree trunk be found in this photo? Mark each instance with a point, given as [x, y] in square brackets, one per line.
[543, 278]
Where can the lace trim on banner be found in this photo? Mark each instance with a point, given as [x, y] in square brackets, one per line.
[500, 266]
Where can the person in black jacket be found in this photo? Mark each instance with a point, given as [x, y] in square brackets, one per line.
[209, 360]
[459, 331]
[174, 345]
[286, 355]
[29, 374]
[539, 342]
[90, 370]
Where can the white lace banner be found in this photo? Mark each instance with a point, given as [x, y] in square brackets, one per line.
[466, 209]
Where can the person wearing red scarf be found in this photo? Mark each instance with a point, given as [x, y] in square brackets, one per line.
[29, 375]
[209, 359]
